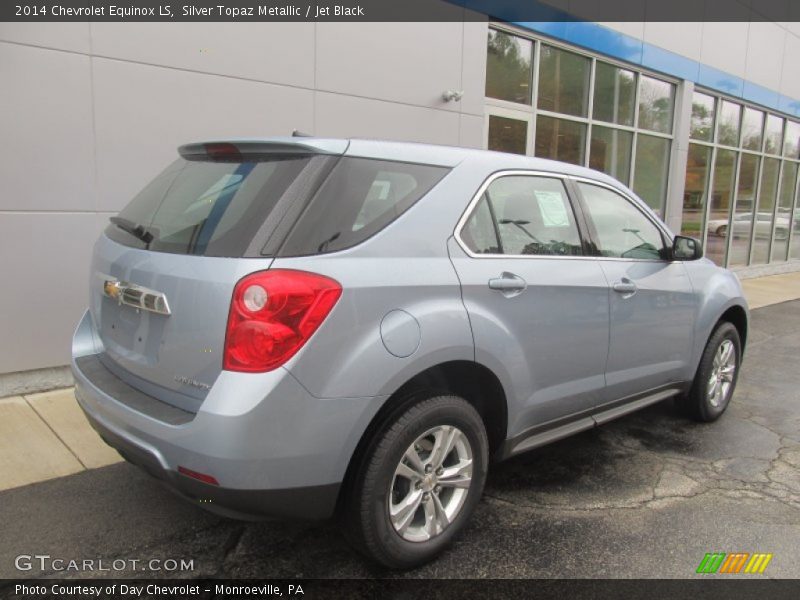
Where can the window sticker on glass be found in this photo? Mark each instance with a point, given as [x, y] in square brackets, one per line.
[551, 205]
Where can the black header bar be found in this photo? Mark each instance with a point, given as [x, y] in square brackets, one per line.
[707, 588]
[397, 10]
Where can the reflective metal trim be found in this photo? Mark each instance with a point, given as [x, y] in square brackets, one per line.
[476, 198]
[563, 177]
[136, 296]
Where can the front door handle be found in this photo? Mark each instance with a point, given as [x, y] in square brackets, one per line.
[509, 284]
[625, 286]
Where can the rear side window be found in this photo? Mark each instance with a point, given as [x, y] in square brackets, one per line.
[359, 198]
[523, 215]
[205, 207]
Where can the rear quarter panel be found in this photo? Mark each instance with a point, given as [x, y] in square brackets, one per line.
[347, 356]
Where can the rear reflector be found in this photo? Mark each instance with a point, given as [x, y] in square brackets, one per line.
[273, 313]
[199, 476]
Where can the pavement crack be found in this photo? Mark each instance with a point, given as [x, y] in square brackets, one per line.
[232, 543]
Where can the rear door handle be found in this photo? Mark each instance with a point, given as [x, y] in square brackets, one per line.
[509, 284]
[625, 287]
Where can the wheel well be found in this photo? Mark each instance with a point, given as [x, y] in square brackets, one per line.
[472, 381]
[738, 318]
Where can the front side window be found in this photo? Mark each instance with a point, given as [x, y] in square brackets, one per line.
[523, 215]
[621, 229]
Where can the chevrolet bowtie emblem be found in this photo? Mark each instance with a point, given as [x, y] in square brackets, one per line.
[111, 289]
[136, 296]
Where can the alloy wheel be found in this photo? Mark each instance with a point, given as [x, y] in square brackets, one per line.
[431, 483]
[722, 373]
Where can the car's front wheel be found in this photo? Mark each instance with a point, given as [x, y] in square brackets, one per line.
[419, 482]
[716, 376]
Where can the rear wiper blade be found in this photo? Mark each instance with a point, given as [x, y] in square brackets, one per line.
[135, 229]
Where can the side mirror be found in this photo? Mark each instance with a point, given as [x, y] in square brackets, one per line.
[686, 248]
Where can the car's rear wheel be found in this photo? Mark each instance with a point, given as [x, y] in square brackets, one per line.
[781, 233]
[419, 482]
[716, 376]
[722, 231]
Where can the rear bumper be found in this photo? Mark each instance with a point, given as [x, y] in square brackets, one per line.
[274, 449]
[311, 502]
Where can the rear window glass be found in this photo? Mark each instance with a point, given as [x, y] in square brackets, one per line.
[360, 197]
[205, 207]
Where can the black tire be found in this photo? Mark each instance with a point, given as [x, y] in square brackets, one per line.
[781, 234]
[697, 404]
[722, 231]
[367, 523]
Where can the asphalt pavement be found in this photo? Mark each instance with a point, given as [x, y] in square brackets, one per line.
[645, 496]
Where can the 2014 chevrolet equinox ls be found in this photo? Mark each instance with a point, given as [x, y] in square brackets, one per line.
[308, 327]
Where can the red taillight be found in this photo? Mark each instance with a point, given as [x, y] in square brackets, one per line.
[273, 313]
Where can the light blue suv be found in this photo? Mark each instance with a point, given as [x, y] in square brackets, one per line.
[314, 327]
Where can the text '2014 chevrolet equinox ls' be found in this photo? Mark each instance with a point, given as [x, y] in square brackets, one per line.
[312, 327]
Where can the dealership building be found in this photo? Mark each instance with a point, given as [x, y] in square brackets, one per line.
[701, 120]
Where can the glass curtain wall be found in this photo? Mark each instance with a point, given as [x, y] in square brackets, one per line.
[555, 103]
[741, 186]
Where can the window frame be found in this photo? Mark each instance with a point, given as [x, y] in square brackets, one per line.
[666, 237]
[577, 213]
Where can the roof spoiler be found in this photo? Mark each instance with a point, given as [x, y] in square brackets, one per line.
[238, 149]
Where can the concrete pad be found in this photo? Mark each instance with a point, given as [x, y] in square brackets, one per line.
[29, 450]
[764, 291]
[61, 412]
